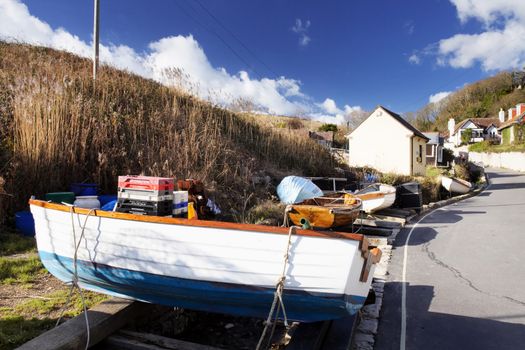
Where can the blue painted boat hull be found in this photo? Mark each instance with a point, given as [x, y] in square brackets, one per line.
[207, 296]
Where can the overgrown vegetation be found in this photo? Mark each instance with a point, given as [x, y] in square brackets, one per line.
[63, 128]
[487, 147]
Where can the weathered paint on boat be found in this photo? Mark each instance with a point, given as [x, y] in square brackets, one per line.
[329, 211]
[204, 265]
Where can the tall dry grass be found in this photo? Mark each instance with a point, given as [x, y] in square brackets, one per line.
[58, 128]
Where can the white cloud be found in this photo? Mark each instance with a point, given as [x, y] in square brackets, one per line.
[438, 96]
[330, 113]
[498, 47]
[414, 58]
[302, 29]
[329, 106]
[182, 55]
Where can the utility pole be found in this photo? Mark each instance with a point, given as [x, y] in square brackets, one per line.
[95, 38]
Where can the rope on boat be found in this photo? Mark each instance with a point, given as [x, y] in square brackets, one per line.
[74, 282]
[278, 295]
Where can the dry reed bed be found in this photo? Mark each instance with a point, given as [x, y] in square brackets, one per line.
[58, 128]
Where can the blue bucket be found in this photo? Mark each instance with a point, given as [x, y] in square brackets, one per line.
[24, 223]
[84, 189]
[106, 198]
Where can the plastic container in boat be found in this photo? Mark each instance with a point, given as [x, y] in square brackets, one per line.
[60, 197]
[180, 204]
[106, 198]
[84, 189]
[88, 202]
[24, 223]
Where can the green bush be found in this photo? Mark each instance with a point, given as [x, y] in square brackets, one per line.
[328, 127]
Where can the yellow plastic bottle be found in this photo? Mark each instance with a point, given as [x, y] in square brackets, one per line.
[192, 213]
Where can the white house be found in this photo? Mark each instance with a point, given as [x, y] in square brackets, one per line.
[481, 129]
[387, 142]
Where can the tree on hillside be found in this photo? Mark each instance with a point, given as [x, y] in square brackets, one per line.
[328, 127]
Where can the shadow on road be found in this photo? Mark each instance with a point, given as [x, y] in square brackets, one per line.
[436, 330]
[498, 175]
[426, 229]
[507, 186]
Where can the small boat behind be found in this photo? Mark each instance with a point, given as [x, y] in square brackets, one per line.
[376, 197]
[329, 211]
[455, 185]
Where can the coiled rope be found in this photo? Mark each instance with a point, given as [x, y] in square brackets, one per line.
[278, 303]
[74, 281]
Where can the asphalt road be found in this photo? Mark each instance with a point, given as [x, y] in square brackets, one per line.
[464, 274]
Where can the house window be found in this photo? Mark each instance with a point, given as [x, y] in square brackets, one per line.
[420, 154]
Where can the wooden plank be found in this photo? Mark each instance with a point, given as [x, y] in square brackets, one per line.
[375, 231]
[104, 319]
[379, 217]
[377, 223]
[396, 212]
[138, 341]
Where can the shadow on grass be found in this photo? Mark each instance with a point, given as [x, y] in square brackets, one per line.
[16, 330]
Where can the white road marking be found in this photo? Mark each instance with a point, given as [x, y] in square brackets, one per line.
[402, 342]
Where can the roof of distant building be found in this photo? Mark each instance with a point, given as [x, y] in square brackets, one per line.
[481, 123]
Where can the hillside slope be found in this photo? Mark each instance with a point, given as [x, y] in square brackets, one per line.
[58, 128]
[477, 100]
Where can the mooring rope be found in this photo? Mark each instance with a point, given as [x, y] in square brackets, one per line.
[278, 294]
[74, 282]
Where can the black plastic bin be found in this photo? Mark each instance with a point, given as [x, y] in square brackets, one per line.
[409, 196]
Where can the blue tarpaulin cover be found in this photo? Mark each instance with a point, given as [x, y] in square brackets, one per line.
[295, 189]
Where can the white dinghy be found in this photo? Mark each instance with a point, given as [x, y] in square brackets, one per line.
[455, 185]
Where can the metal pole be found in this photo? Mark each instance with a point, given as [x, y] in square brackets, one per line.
[95, 38]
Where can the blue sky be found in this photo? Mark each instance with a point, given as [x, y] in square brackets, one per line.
[320, 59]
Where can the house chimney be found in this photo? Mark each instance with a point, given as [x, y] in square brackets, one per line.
[501, 115]
[512, 113]
[520, 108]
[451, 126]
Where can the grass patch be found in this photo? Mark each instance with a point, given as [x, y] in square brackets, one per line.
[11, 243]
[35, 316]
[56, 300]
[20, 270]
[486, 147]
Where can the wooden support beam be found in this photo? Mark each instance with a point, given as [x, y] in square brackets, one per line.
[128, 340]
[104, 319]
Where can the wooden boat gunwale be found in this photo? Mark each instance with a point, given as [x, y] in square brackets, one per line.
[199, 223]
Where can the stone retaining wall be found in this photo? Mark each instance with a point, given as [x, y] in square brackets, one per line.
[509, 160]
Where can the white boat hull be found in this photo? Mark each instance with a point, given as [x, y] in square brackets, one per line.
[121, 256]
[455, 185]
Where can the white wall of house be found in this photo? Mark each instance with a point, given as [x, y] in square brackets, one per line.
[383, 143]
